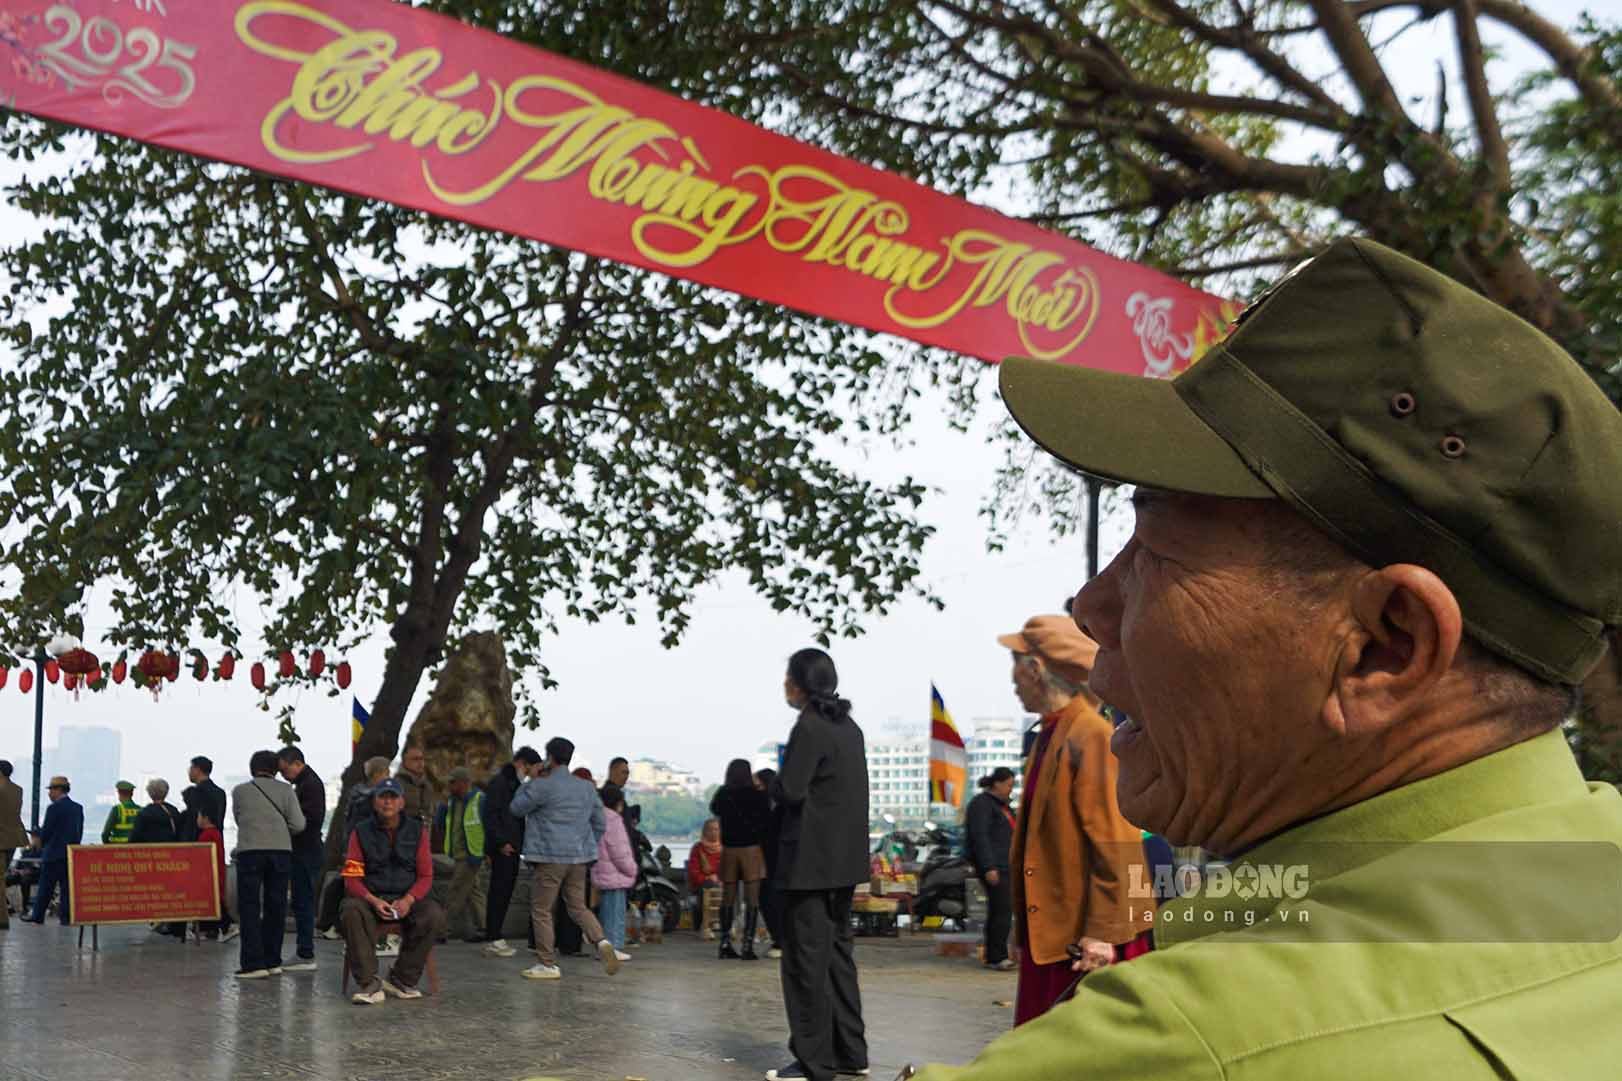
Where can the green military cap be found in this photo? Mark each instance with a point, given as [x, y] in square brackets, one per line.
[124, 786]
[1404, 415]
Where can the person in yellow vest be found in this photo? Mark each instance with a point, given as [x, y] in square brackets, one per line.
[461, 823]
[121, 819]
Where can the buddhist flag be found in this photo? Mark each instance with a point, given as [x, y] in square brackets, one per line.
[948, 760]
[357, 724]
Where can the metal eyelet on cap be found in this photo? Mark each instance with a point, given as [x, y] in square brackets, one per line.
[1403, 404]
[1452, 446]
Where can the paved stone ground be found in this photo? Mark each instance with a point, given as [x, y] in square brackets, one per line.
[147, 1008]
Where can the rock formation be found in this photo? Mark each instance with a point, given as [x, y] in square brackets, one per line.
[468, 719]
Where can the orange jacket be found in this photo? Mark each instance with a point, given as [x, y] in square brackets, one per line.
[1072, 848]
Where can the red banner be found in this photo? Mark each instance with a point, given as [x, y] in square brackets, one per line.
[143, 883]
[389, 102]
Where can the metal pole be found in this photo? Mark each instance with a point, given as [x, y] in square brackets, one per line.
[1094, 490]
[39, 731]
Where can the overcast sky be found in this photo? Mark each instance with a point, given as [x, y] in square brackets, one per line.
[718, 695]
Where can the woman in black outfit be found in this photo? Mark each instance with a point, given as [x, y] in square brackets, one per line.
[745, 815]
[771, 907]
[822, 855]
[991, 834]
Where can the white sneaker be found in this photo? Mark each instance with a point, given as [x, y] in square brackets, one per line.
[610, 956]
[623, 956]
[274, 970]
[774, 953]
[543, 972]
[390, 947]
[303, 964]
[253, 974]
[498, 948]
[400, 990]
[331, 934]
[367, 998]
[229, 934]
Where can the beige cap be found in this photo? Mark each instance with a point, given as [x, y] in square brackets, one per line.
[1059, 642]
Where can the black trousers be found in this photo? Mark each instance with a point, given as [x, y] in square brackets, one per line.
[820, 993]
[999, 916]
[771, 909]
[503, 876]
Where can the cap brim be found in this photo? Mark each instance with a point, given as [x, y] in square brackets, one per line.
[1015, 642]
[1124, 428]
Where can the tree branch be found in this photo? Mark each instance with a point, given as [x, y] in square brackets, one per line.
[1473, 62]
[1339, 25]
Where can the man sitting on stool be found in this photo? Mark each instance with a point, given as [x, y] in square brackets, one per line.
[387, 875]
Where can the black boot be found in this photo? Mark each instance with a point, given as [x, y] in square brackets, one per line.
[727, 952]
[749, 916]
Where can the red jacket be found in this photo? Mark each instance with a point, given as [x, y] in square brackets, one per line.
[212, 836]
[701, 866]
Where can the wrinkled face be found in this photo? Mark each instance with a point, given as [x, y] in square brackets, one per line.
[1222, 672]
[1028, 685]
[413, 761]
[712, 831]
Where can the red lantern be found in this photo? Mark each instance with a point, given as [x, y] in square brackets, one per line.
[4, 672]
[78, 662]
[25, 681]
[318, 664]
[257, 675]
[172, 673]
[284, 664]
[53, 671]
[152, 665]
[342, 672]
[228, 666]
[199, 668]
[120, 670]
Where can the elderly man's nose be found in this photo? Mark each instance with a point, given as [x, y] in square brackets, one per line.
[1096, 609]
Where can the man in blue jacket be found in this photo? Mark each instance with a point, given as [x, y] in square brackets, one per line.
[63, 826]
[563, 823]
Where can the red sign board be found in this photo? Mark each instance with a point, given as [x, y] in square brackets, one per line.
[143, 883]
[393, 103]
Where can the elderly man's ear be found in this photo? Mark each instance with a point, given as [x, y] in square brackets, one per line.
[1401, 636]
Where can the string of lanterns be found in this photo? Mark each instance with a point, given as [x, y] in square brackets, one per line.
[78, 668]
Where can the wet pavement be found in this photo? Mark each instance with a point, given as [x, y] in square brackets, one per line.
[148, 1008]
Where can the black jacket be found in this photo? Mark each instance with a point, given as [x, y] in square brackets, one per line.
[312, 800]
[745, 815]
[156, 824]
[991, 835]
[500, 826]
[204, 796]
[823, 789]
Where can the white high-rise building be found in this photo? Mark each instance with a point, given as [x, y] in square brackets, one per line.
[898, 771]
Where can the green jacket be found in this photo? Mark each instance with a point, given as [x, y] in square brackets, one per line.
[1244, 990]
[120, 823]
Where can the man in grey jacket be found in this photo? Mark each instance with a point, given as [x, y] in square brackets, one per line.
[563, 822]
[268, 814]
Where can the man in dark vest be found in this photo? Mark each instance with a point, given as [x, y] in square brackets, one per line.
[387, 874]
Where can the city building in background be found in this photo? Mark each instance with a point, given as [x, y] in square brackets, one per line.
[652, 775]
[898, 770]
[90, 758]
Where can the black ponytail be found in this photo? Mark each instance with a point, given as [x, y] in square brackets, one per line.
[813, 672]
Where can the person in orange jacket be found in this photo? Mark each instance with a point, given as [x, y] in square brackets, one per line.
[1072, 849]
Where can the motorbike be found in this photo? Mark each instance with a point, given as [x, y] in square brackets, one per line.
[652, 887]
[943, 879]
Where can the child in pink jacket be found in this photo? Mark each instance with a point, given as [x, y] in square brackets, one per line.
[614, 873]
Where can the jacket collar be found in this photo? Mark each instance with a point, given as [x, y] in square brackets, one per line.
[1536, 771]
